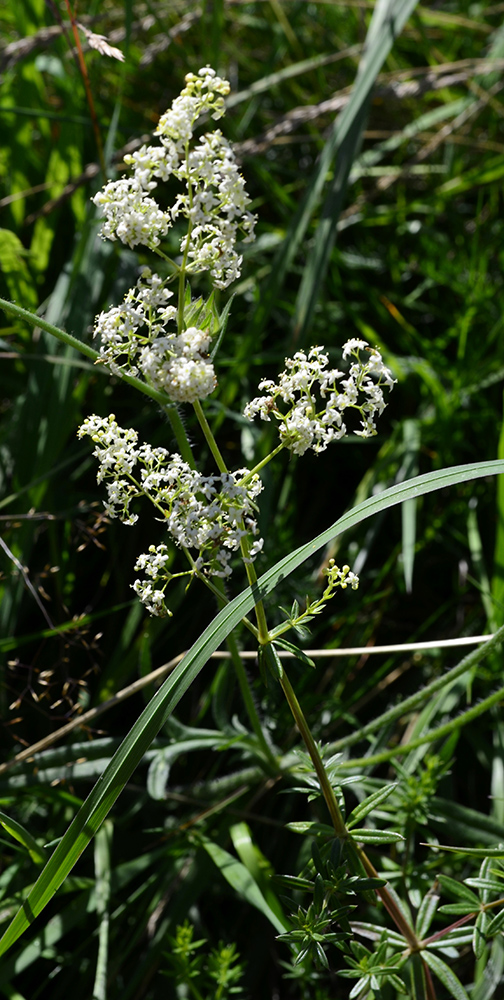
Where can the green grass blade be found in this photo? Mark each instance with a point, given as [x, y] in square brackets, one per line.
[103, 844]
[498, 561]
[98, 804]
[411, 434]
[387, 22]
[239, 877]
[24, 837]
[341, 135]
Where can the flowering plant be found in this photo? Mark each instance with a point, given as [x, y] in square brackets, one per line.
[165, 341]
[209, 517]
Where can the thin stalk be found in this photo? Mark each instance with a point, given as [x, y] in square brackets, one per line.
[179, 433]
[336, 817]
[218, 593]
[249, 702]
[87, 87]
[430, 736]
[264, 636]
[260, 465]
[325, 785]
[469, 662]
[389, 902]
[209, 438]
[246, 694]
[182, 272]
[89, 352]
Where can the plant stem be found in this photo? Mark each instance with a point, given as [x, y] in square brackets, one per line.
[89, 352]
[87, 88]
[209, 438]
[264, 636]
[260, 465]
[469, 662]
[337, 820]
[217, 592]
[248, 700]
[325, 785]
[180, 435]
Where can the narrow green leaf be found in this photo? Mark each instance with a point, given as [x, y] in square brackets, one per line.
[387, 22]
[223, 322]
[295, 650]
[496, 924]
[24, 837]
[101, 799]
[457, 909]
[311, 827]
[498, 554]
[458, 889]
[364, 836]
[426, 914]
[471, 852]
[486, 883]
[479, 934]
[445, 975]
[364, 808]
[160, 766]
[257, 864]
[240, 879]
[293, 882]
[103, 843]
[411, 436]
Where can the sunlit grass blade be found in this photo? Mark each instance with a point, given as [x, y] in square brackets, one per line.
[239, 877]
[342, 143]
[24, 837]
[103, 843]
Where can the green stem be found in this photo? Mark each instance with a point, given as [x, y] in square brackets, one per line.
[431, 735]
[264, 636]
[179, 433]
[89, 352]
[246, 693]
[209, 438]
[469, 662]
[193, 988]
[337, 820]
[325, 785]
[244, 543]
[260, 465]
[182, 272]
[217, 592]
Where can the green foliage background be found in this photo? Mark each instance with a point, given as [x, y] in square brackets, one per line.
[392, 231]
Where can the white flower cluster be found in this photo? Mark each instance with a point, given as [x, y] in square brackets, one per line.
[316, 397]
[133, 339]
[215, 202]
[208, 513]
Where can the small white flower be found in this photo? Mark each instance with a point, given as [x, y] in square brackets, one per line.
[315, 397]
[136, 337]
[209, 514]
[353, 345]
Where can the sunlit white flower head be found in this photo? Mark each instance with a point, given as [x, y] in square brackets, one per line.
[134, 339]
[145, 336]
[213, 200]
[309, 399]
[206, 514]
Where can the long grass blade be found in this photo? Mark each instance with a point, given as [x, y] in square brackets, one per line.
[124, 762]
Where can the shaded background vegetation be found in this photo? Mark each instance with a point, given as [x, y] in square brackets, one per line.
[416, 269]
